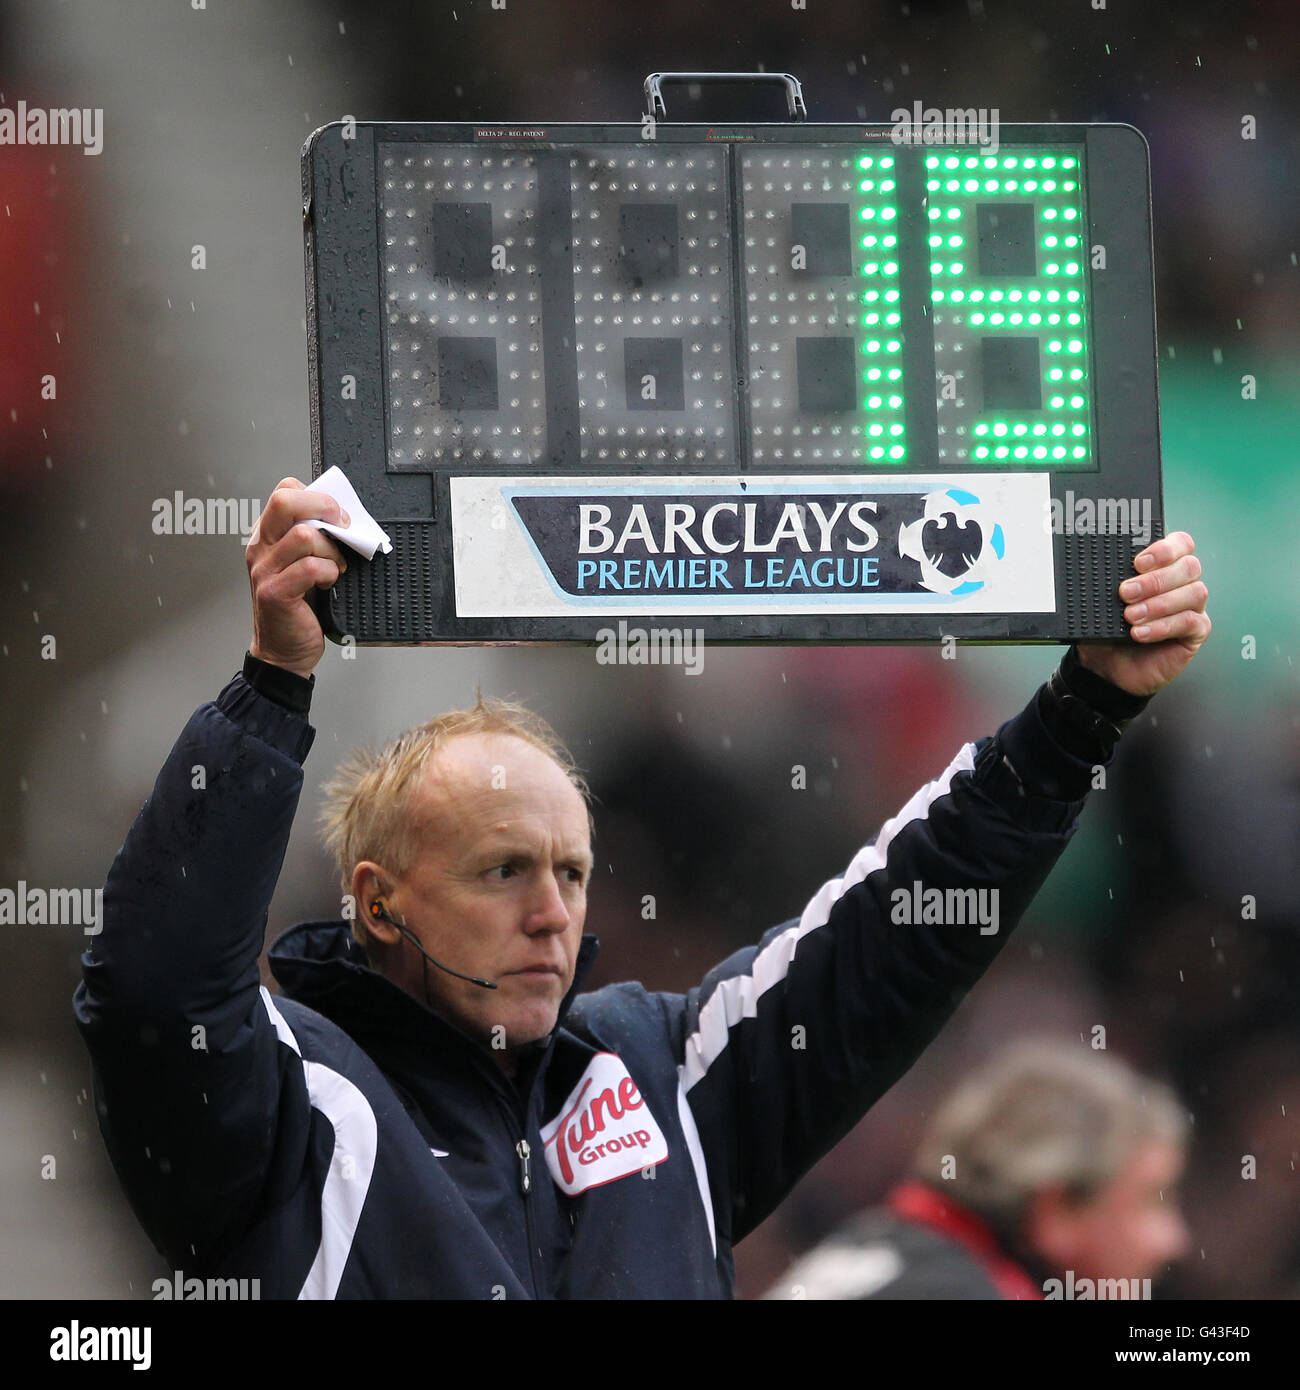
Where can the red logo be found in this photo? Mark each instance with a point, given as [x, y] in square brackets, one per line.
[604, 1130]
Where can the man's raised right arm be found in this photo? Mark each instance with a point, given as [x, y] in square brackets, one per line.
[204, 1114]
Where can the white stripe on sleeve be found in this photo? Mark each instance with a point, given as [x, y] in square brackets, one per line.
[737, 998]
[351, 1167]
[693, 1147]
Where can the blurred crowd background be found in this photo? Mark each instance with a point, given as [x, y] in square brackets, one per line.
[173, 378]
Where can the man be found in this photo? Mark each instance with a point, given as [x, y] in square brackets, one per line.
[457, 1120]
[1049, 1173]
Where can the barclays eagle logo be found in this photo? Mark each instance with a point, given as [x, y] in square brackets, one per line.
[955, 543]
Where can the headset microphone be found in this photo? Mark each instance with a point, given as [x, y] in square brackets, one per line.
[376, 910]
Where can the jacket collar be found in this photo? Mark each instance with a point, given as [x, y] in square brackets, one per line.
[919, 1202]
[322, 965]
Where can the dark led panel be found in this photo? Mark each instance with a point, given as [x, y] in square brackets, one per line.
[462, 307]
[652, 306]
[639, 297]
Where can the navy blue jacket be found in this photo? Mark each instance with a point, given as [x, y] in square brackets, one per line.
[340, 1139]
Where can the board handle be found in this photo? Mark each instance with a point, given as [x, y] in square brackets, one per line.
[655, 98]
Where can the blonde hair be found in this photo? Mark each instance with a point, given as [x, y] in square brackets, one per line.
[366, 811]
[1043, 1114]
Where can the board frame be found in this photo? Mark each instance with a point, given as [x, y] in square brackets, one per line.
[408, 596]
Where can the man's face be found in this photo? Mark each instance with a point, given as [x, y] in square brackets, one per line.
[497, 889]
[1132, 1228]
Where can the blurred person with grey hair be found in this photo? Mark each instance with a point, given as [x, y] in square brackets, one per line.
[1051, 1172]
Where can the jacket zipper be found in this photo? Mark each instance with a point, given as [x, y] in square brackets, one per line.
[524, 1150]
[517, 1112]
[524, 1153]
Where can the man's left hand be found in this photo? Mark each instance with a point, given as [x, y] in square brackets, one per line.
[1165, 605]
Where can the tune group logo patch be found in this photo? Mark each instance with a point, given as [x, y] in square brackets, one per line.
[604, 1130]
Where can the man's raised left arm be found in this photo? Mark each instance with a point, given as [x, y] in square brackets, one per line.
[788, 1043]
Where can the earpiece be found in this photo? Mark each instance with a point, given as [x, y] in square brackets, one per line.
[377, 910]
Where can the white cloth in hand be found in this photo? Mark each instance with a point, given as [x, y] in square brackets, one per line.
[364, 535]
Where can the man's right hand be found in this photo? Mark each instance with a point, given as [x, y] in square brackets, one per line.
[286, 560]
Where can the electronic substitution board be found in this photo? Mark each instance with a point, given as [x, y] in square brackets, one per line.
[774, 382]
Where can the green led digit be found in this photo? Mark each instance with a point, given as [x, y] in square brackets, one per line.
[1009, 303]
[880, 342]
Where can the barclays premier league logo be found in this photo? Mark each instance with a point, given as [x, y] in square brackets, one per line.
[900, 545]
[955, 543]
[764, 539]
